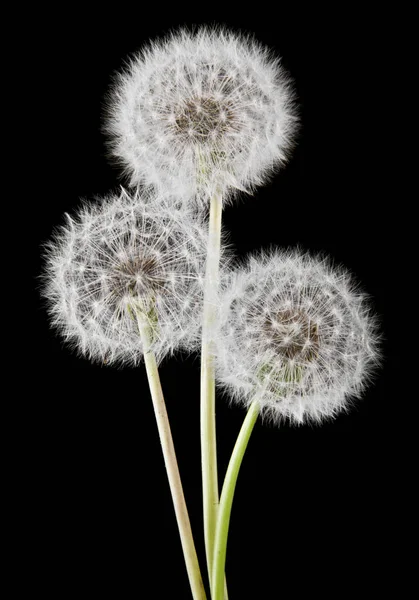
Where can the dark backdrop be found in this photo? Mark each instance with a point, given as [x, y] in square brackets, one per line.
[314, 510]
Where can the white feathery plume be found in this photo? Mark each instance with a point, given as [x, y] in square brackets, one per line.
[120, 256]
[296, 335]
[202, 113]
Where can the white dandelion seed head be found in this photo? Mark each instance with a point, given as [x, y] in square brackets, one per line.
[202, 113]
[118, 256]
[297, 335]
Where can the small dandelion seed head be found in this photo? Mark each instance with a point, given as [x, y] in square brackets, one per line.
[121, 255]
[296, 335]
[203, 112]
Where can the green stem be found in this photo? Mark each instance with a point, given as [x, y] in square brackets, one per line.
[227, 495]
[189, 552]
[208, 435]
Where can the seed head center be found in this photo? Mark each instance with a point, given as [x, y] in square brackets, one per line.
[140, 276]
[293, 334]
[201, 118]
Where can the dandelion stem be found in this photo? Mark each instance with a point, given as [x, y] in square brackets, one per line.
[189, 552]
[227, 495]
[208, 434]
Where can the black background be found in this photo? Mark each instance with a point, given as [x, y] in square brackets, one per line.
[316, 508]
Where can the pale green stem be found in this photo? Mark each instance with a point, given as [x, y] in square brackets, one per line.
[227, 495]
[189, 552]
[208, 435]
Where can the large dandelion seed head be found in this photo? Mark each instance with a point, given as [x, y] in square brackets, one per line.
[202, 113]
[295, 334]
[123, 258]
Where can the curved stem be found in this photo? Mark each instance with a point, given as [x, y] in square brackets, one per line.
[227, 495]
[189, 552]
[208, 434]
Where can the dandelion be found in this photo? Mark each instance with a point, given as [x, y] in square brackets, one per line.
[121, 258]
[296, 341]
[202, 113]
[305, 342]
[123, 281]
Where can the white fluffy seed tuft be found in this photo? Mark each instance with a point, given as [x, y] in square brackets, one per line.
[295, 334]
[122, 255]
[202, 113]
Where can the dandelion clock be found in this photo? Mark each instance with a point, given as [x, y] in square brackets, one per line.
[305, 341]
[124, 283]
[296, 341]
[120, 260]
[202, 113]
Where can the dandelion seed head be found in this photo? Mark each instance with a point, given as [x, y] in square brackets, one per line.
[296, 335]
[121, 255]
[200, 113]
